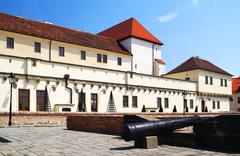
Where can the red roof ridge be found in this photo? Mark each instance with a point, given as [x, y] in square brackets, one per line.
[129, 28]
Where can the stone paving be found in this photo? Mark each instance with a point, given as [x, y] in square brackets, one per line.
[59, 141]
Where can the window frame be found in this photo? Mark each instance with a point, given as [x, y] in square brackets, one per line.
[206, 79]
[125, 101]
[218, 104]
[83, 55]
[213, 104]
[104, 58]
[191, 104]
[134, 101]
[61, 51]
[37, 47]
[119, 61]
[99, 58]
[166, 102]
[225, 83]
[159, 102]
[211, 80]
[10, 42]
[221, 82]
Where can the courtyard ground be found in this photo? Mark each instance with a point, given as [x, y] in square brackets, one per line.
[60, 141]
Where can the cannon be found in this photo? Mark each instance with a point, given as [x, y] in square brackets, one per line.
[134, 131]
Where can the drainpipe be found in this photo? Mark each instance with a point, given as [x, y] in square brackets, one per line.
[50, 50]
[153, 59]
[66, 77]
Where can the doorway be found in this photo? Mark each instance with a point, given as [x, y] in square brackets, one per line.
[41, 106]
[94, 102]
[203, 106]
[24, 101]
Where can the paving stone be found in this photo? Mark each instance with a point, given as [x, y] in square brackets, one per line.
[59, 141]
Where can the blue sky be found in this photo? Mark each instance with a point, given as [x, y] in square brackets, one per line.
[206, 28]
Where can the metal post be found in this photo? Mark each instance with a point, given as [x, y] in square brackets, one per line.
[10, 108]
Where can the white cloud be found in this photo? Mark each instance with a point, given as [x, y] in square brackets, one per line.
[168, 17]
[195, 2]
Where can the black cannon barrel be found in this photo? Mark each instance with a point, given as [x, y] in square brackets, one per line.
[134, 131]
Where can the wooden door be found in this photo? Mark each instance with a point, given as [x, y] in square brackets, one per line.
[41, 101]
[94, 103]
[24, 101]
[203, 105]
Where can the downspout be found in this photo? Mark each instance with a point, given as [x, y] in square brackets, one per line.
[66, 77]
[153, 59]
[50, 50]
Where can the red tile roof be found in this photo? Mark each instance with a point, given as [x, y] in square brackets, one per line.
[58, 33]
[235, 85]
[197, 63]
[130, 28]
[159, 61]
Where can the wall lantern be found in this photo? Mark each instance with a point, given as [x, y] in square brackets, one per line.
[76, 89]
[54, 88]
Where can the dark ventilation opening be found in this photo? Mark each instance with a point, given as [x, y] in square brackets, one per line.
[66, 109]
[3, 140]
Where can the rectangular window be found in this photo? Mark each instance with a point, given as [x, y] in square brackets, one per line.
[206, 79]
[159, 102]
[119, 61]
[166, 103]
[10, 42]
[24, 102]
[83, 55]
[99, 58]
[213, 105]
[225, 82]
[191, 104]
[211, 80]
[221, 82]
[104, 58]
[37, 47]
[238, 100]
[134, 102]
[125, 101]
[61, 51]
[185, 103]
[94, 102]
[218, 104]
[41, 102]
[187, 78]
[81, 101]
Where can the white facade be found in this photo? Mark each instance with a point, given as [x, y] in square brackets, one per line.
[144, 53]
[134, 78]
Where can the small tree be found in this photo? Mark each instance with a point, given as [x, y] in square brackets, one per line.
[196, 109]
[174, 109]
[144, 109]
[161, 108]
[186, 110]
[206, 110]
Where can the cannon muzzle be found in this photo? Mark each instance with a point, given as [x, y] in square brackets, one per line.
[134, 131]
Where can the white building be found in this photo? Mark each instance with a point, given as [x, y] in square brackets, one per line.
[124, 59]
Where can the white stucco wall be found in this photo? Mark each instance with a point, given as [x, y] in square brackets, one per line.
[24, 47]
[142, 54]
[92, 80]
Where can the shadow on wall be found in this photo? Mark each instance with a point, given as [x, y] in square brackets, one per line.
[6, 100]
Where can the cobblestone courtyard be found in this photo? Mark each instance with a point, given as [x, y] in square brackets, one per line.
[59, 141]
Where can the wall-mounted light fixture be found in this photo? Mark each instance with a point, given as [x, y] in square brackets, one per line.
[54, 88]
